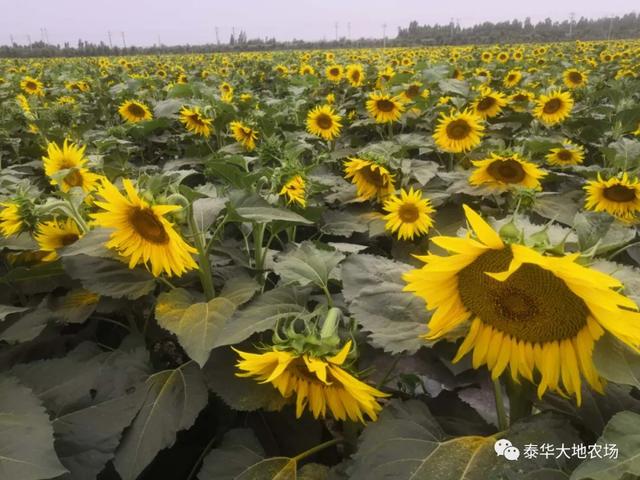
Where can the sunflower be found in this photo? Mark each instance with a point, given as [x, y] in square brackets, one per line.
[294, 190]
[521, 309]
[355, 75]
[195, 122]
[553, 108]
[32, 86]
[226, 92]
[24, 103]
[490, 103]
[319, 383]
[413, 91]
[334, 73]
[500, 173]
[619, 197]
[409, 214]
[567, 155]
[512, 78]
[519, 101]
[307, 69]
[54, 235]
[384, 108]
[323, 122]
[70, 158]
[371, 179]
[133, 111]
[637, 131]
[574, 78]
[11, 218]
[244, 135]
[458, 132]
[142, 234]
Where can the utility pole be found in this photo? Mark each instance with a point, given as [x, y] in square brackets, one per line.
[11, 38]
[572, 15]
[217, 36]
[110, 42]
[610, 28]
[384, 35]
[46, 35]
[124, 42]
[29, 40]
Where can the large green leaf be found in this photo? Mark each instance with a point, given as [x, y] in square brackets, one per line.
[6, 310]
[108, 277]
[406, 442]
[26, 436]
[616, 362]
[196, 324]
[262, 314]
[92, 397]
[28, 326]
[623, 432]
[91, 244]
[373, 290]
[172, 402]
[240, 393]
[307, 264]
[241, 457]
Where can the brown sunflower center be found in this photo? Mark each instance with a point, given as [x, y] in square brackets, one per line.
[619, 194]
[68, 239]
[324, 121]
[564, 155]
[507, 171]
[355, 75]
[385, 105]
[31, 85]
[552, 106]
[412, 91]
[334, 71]
[520, 97]
[486, 103]
[196, 119]
[136, 110]
[74, 178]
[148, 225]
[458, 129]
[374, 177]
[575, 77]
[409, 213]
[531, 305]
[511, 77]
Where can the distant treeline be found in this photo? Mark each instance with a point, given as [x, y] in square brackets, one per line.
[516, 31]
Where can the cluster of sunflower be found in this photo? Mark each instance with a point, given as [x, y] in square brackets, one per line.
[404, 137]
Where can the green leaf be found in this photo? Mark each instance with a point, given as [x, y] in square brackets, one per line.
[206, 210]
[271, 214]
[623, 431]
[241, 457]
[372, 287]
[6, 310]
[196, 324]
[76, 306]
[307, 264]
[172, 402]
[591, 227]
[167, 108]
[616, 362]
[262, 314]
[406, 442]
[91, 244]
[244, 394]
[26, 449]
[109, 277]
[92, 396]
[29, 325]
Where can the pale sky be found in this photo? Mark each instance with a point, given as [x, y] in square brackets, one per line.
[193, 21]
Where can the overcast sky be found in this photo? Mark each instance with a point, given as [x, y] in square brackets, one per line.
[145, 22]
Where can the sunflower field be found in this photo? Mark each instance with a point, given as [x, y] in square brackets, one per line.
[407, 263]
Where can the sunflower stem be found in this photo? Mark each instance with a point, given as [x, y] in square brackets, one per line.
[520, 404]
[258, 239]
[203, 259]
[500, 410]
[317, 448]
